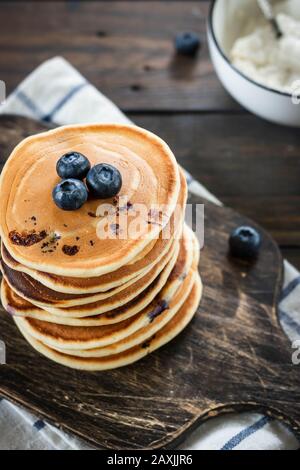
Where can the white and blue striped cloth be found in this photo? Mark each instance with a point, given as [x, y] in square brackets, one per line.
[56, 92]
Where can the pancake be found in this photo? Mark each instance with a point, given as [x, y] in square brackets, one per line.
[160, 318]
[83, 338]
[165, 286]
[166, 334]
[88, 298]
[116, 300]
[17, 306]
[34, 291]
[150, 177]
[147, 258]
[70, 337]
[76, 285]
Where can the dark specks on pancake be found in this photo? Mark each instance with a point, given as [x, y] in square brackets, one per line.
[33, 219]
[70, 250]
[50, 245]
[27, 238]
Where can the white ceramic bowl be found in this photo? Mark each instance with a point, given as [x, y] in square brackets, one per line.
[224, 27]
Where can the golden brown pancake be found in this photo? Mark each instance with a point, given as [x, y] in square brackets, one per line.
[83, 299]
[164, 287]
[166, 334]
[17, 306]
[150, 177]
[150, 256]
[34, 291]
[160, 317]
[121, 298]
[40, 295]
[114, 301]
[181, 271]
[83, 338]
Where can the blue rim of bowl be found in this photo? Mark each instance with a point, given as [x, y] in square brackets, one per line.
[211, 30]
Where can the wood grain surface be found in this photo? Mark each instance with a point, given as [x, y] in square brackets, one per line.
[124, 48]
[232, 357]
[249, 164]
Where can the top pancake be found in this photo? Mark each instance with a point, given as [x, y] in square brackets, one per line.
[149, 256]
[150, 177]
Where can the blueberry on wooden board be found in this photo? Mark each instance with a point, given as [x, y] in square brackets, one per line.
[244, 242]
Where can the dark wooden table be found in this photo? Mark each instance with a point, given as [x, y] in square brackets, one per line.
[126, 50]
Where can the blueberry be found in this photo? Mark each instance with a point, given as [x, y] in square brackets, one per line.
[73, 165]
[187, 43]
[244, 242]
[70, 194]
[104, 181]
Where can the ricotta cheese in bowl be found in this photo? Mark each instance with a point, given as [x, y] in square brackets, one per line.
[259, 70]
[266, 59]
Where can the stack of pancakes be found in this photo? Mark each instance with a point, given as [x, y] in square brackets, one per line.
[83, 300]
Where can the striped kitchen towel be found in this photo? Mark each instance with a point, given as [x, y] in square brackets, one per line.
[56, 92]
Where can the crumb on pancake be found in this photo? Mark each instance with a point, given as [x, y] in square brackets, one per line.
[51, 244]
[27, 238]
[70, 250]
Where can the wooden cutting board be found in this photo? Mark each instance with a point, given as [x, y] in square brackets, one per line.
[232, 357]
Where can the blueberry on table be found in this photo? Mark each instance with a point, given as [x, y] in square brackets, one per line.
[244, 242]
[187, 43]
[70, 194]
[73, 165]
[104, 181]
